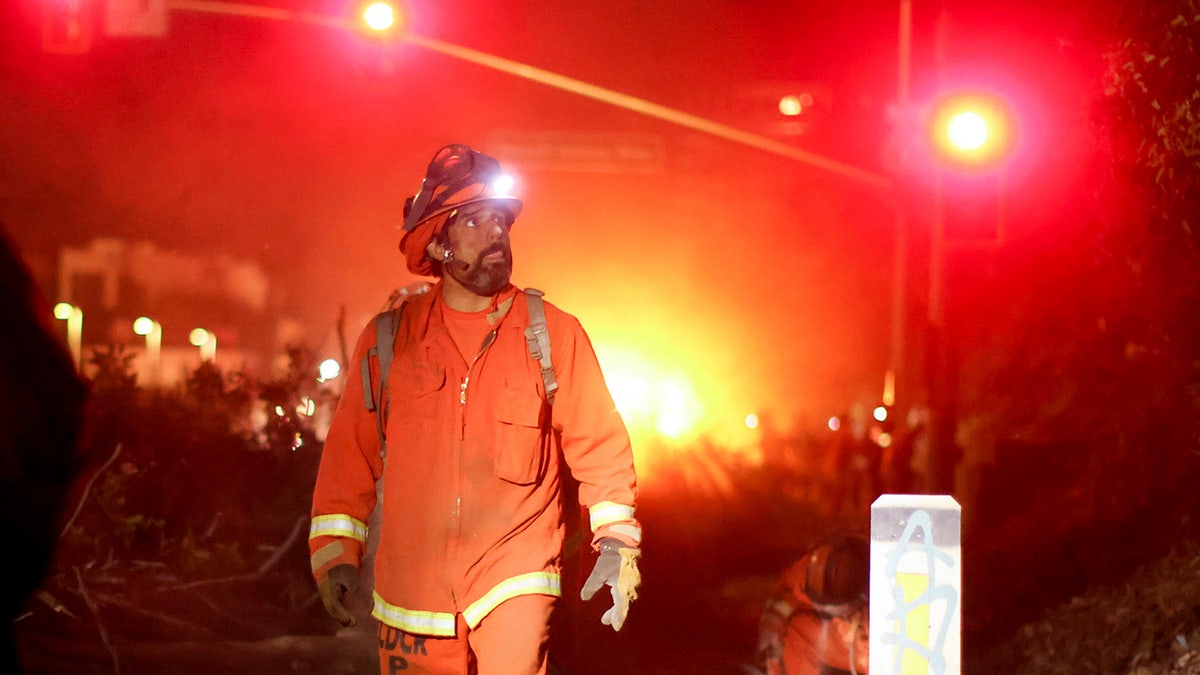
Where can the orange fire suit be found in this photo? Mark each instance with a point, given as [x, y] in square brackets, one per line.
[800, 637]
[471, 513]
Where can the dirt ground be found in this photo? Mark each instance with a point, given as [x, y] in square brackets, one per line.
[703, 587]
[709, 563]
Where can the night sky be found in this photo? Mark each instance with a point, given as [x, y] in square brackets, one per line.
[762, 281]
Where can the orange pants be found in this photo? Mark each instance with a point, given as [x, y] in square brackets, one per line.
[513, 639]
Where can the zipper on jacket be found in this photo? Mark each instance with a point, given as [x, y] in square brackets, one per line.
[462, 388]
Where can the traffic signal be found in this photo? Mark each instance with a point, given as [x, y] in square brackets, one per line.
[67, 26]
[973, 131]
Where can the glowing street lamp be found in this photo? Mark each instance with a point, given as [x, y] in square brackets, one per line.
[144, 325]
[379, 16]
[206, 341]
[384, 18]
[74, 318]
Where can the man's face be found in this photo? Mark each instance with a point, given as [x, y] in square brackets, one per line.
[482, 253]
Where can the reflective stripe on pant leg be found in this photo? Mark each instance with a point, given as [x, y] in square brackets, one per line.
[402, 653]
[514, 638]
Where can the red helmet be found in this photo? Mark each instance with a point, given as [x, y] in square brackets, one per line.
[457, 175]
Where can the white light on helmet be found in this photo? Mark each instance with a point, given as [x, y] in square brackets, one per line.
[503, 184]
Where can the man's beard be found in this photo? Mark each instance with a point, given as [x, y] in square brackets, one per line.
[485, 278]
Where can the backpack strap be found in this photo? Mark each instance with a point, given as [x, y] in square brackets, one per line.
[375, 397]
[387, 323]
[537, 336]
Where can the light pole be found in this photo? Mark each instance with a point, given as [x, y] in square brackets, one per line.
[207, 342]
[970, 132]
[74, 318]
[144, 325]
[901, 222]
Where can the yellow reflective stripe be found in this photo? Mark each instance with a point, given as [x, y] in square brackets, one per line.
[338, 525]
[605, 513]
[439, 624]
[534, 583]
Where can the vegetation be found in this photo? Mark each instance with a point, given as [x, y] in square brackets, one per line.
[1106, 382]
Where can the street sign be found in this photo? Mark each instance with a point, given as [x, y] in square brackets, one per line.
[582, 152]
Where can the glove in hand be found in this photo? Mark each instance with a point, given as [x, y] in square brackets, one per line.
[338, 582]
[616, 567]
[771, 629]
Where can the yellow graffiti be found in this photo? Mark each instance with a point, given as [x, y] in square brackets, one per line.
[915, 623]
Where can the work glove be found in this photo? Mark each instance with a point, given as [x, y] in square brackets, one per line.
[617, 567]
[339, 582]
[771, 629]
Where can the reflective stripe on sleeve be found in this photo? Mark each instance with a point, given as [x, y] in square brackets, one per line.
[534, 583]
[606, 513]
[438, 624]
[338, 525]
[634, 533]
[326, 554]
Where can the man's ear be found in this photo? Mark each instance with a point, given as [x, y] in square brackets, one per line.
[435, 250]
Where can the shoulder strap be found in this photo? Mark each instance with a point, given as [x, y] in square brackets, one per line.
[537, 336]
[374, 397]
[387, 323]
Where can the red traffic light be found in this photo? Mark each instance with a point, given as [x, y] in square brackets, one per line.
[67, 26]
[971, 130]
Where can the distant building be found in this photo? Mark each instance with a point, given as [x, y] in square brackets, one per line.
[115, 281]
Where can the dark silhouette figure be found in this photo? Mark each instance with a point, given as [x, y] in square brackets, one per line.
[41, 419]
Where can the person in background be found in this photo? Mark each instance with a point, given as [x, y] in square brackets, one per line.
[816, 621]
[42, 402]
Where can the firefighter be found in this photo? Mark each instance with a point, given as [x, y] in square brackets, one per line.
[467, 566]
[816, 621]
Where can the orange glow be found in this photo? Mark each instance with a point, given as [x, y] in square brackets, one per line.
[663, 408]
[650, 401]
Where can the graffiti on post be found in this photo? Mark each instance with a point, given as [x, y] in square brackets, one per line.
[916, 585]
[920, 600]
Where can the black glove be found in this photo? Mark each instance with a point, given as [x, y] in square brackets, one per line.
[616, 567]
[334, 586]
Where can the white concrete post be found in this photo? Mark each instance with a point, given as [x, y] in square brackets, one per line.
[916, 585]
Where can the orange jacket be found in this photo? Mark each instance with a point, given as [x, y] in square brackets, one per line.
[471, 512]
[797, 638]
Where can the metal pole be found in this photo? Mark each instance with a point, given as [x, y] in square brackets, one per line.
[938, 346]
[900, 229]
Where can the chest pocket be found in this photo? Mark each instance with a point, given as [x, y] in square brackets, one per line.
[414, 389]
[521, 444]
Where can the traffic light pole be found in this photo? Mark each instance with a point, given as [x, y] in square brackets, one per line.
[897, 375]
[939, 350]
[939, 345]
